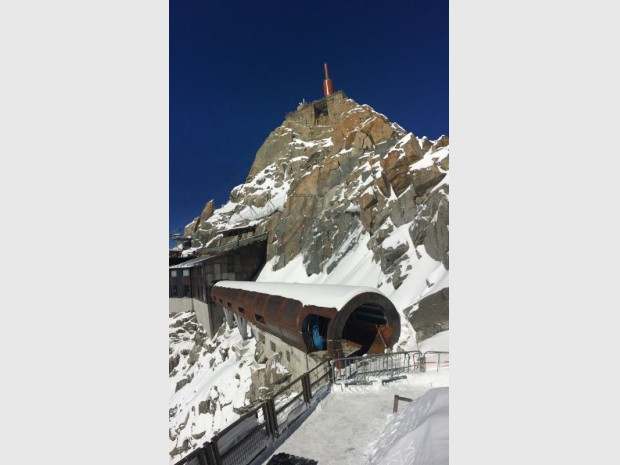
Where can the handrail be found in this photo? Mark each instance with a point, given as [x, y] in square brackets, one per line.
[243, 417]
[286, 387]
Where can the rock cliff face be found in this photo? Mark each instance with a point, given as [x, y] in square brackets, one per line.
[335, 170]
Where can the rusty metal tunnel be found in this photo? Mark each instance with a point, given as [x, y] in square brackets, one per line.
[344, 320]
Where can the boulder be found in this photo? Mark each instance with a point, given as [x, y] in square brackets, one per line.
[275, 371]
[173, 362]
[425, 179]
[445, 163]
[192, 227]
[383, 184]
[404, 209]
[432, 315]
[391, 255]
[443, 141]
[361, 141]
[379, 130]
[207, 211]
[368, 199]
[431, 229]
[397, 163]
[426, 144]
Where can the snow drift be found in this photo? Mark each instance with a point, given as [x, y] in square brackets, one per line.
[417, 434]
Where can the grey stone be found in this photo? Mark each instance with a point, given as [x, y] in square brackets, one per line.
[404, 208]
[432, 315]
[443, 141]
[398, 277]
[431, 232]
[425, 179]
[180, 449]
[194, 354]
[275, 371]
[206, 406]
[391, 255]
[183, 382]
[173, 362]
[207, 212]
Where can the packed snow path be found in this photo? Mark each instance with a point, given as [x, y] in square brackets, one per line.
[344, 428]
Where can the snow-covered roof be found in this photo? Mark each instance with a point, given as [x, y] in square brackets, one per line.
[320, 295]
[191, 262]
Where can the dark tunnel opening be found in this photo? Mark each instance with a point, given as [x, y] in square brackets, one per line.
[362, 332]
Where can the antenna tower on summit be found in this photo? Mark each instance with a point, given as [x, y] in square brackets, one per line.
[328, 85]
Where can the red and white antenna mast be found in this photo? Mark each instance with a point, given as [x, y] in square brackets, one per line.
[328, 85]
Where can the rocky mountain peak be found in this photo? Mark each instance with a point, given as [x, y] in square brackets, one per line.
[332, 171]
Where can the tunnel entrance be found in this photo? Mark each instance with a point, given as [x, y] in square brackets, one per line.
[315, 332]
[364, 331]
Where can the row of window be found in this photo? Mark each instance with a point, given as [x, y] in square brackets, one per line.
[175, 291]
[229, 267]
[173, 273]
[200, 291]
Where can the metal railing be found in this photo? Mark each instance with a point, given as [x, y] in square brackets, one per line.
[319, 377]
[358, 370]
[289, 403]
[434, 357]
[244, 440]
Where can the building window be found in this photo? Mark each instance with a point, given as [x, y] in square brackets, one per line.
[186, 291]
[185, 273]
[173, 273]
[175, 291]
[272, 345]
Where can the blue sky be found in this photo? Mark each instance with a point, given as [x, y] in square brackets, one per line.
[237, 67]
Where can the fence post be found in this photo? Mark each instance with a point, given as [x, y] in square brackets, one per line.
[438, 360]
[423, 363]
[307, 391]
[209, 454]
[396, 399]
[271, 419]
[215, 450]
